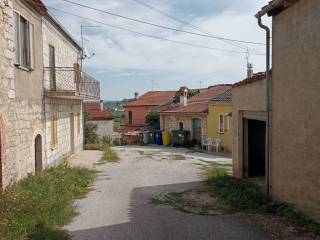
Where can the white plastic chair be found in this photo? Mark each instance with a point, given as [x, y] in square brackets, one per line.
[217, 145]
[207, 143]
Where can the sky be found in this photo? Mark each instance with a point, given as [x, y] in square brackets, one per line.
[125, 62]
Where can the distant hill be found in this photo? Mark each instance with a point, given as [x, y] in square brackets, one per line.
[115, 106]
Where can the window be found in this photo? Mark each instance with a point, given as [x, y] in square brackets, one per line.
[78, 124]
[54, 131]
[223, 123]
[180, 125]
[130, 117]
[24, 42]
[52, 66]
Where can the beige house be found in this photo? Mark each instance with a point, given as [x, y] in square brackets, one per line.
[64, 90]
[295, 160]
[21, 86]
[249, 127]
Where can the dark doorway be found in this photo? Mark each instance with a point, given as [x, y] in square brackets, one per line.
[0, 159]
[196, 129]
[38, 154]
[256, 148]
[52, 66]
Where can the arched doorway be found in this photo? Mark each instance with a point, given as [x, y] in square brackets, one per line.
[196, 130]
[38, 154]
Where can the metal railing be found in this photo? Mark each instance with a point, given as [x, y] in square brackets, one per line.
[71, 79]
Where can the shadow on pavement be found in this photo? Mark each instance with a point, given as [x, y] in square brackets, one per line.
[157, 222]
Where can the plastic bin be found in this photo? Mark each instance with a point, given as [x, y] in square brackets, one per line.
[166, 138]
[180, 137]
[146, 137]
[150, 137]
[158, 137]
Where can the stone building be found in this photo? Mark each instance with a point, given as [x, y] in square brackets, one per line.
[192, 113]
[64, 89]
[295, 160]
[21, 86]
[249, 123]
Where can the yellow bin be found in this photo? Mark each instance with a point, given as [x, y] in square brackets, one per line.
[166, 137]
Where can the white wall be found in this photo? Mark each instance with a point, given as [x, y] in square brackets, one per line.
[104, 128]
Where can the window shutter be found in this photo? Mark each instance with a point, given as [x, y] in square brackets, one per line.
[16, 24]
[32, 50]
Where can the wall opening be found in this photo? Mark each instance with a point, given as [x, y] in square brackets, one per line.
[38, 154]
[130, 117]
[255, 147]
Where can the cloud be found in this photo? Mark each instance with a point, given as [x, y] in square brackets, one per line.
[130, 54]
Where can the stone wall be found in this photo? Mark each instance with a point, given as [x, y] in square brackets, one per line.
[171, 122]
[63, 109]
[104, 128]
[20, 99]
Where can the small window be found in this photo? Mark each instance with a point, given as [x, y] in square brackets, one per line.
[54, 131]
[223, 123]
[130, 117]
[24, 41]
[78, 124]
[180, 125]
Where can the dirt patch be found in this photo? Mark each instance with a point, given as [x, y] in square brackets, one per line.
[179, 157]
[277, 227]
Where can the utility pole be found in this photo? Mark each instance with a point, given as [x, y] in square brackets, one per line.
[200, 84]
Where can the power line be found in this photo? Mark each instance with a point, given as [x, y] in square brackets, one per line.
[161, 26]
[148, 35]
[191, 25]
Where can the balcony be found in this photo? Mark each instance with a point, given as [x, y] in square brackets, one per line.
[70, 83]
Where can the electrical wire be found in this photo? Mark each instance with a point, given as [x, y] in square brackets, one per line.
[192, 26]
[161, 26]
[148, 35]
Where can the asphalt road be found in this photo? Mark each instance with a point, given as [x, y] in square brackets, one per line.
[118, 208]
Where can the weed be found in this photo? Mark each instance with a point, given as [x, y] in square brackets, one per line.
[141, 152]
[95, 146]
[109, 155]
[39, 203]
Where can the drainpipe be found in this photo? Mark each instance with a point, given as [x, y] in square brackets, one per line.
[268, 108]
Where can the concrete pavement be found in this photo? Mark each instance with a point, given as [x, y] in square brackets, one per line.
[118, 208]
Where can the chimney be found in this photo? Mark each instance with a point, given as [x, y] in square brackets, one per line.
[249, 70]
[183, 96]
[136, 95]
[101, 105]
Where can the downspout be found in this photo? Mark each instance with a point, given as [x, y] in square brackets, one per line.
[268, 108]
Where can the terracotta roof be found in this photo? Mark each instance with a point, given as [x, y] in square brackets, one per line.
[199, 103]
[225, 97]
[256, 77]
[275, 6]
[95, 113]
[38, 5]
[155, 98]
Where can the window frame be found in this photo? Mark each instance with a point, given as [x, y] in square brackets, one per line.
[130, 117]
[78, 124]
[224, 126]
[28, 45]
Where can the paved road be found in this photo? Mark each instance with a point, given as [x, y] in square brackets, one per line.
[118, 208]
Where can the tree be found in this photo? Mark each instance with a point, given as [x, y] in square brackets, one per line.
[153, 120]
[89, 129]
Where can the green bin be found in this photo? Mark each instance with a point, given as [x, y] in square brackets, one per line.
[150, 137]
[180, 137]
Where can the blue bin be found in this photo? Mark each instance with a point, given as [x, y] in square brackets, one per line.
[158, 137]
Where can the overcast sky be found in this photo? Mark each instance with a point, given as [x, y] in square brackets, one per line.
[125, 62]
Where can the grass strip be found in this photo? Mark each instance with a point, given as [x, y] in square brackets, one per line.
[35, 207]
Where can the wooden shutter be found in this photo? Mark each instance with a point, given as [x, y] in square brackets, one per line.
[16, 25]
[32, 50]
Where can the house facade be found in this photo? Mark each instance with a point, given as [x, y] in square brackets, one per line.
[137, 110]
[220, 119]
[21, 86]
[295, 102]
[192, 114]
[102, 118]
[249, 124]
[65, 87]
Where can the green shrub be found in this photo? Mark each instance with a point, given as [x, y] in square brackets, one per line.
[44, 200]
